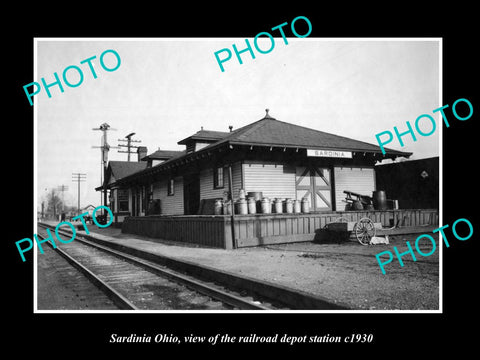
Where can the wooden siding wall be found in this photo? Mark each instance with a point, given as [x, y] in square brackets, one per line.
[169, 205]
[206, 182]
[237, 179]
[273, 180]
[357, 179]
[255, 230]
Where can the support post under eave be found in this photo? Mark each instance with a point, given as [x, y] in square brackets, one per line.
[232, 220]
[105, 193]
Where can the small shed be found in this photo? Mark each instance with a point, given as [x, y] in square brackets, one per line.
[415, 183]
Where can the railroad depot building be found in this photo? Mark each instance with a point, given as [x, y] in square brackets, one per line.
[174, 195]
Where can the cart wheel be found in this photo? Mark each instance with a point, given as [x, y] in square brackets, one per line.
[364, 231]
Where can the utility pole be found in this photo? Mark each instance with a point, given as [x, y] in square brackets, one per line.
[62, 188]
[105, 148]
[78, 178]
[129, 144]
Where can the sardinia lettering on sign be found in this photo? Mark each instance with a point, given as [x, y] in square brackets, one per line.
[329, 153]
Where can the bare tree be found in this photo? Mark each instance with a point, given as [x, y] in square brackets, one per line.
[54, 203]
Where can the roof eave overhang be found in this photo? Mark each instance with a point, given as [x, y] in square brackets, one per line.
[109, 186]
[388, 152]
[221, 145]
[172, 163]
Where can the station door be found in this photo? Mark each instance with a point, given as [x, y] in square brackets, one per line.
[314, 183]
[191, 194]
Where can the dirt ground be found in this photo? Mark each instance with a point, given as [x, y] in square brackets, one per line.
[345, 272]
[350, 274]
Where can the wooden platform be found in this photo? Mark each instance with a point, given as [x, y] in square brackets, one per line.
[257, 230]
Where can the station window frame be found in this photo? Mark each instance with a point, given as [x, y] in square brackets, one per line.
[218, 177]
[171, 187]
[123, 200]
[123, 205]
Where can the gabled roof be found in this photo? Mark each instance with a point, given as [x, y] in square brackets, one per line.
[272, 132]
[89, 206]
[120, 169]
[205, 135]
[164, 154]
[268, 132]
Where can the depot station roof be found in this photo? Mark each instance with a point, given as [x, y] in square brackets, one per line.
[267, 132]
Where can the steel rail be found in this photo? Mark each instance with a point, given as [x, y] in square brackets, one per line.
[119, 300]
[199, 286]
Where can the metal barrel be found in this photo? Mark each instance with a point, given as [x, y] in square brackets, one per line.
[380, 200]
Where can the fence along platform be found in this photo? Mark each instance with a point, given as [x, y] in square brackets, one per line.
[256, 230]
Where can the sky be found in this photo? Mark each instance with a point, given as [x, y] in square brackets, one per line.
[166, 89]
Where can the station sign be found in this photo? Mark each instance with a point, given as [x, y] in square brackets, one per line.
[329, 153]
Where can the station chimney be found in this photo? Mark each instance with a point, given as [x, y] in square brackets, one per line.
[142, 152]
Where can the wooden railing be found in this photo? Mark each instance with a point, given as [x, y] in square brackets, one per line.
[254, 230]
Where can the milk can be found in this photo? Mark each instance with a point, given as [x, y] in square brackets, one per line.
[289, 206]
[218, 206]
[242, 207]
[266, 207]
[305, 205]
[257, 195]
[241, 194]
[296, 207]
[227, 208]
[252, 205]
[278, 206]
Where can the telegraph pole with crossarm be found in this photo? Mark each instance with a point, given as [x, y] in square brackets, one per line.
[129, 145]
[105, 148]
[78, 178]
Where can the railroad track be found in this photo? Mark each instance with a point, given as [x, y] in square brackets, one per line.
[60, 286]
[137, 284]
